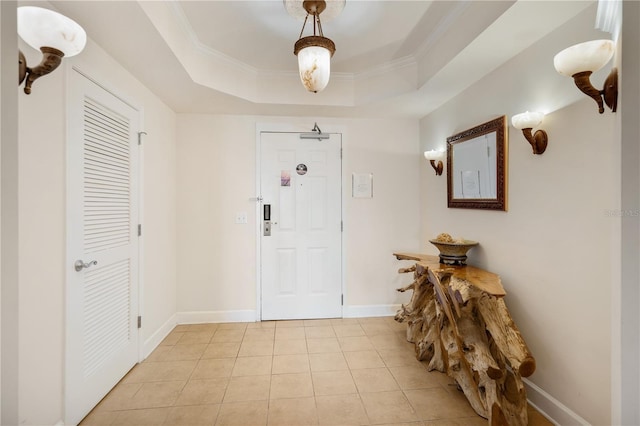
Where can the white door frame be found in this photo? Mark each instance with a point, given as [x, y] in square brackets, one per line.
[293, 128]
[87, 71]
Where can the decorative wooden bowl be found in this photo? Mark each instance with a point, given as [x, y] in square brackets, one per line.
[454, 253]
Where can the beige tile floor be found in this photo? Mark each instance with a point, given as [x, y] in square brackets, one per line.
[312, 372]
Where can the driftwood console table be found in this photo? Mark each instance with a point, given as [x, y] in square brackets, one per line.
[460, 325]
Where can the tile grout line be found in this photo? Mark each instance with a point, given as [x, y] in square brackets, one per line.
[377, 348]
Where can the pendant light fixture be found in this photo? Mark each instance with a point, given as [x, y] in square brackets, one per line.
[314, 52]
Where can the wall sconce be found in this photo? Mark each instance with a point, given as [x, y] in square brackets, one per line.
[527, 121]
[583, 59]
[53, 34]
[434, 156]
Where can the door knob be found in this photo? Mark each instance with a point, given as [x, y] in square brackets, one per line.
[80, 265]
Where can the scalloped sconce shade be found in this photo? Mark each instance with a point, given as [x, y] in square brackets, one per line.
[434, 155]
[53, 34]
[527, 120]
[40, 27]
[587, 56]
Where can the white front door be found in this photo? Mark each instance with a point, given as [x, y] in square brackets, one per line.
[102, 245]
[301, 259]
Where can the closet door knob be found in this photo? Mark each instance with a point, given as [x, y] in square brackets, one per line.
[80, 265]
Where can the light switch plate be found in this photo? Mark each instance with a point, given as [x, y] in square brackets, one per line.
[241, 217]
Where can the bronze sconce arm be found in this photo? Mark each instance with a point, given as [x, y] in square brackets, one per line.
[609, 93]
[538, 140]
[438, 167]
[51, 59]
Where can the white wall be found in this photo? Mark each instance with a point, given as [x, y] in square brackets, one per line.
[41, 199]
[216, 257]
[216, 179]
[553, 248]
[9, 213]
[627, 321]
[42, 204]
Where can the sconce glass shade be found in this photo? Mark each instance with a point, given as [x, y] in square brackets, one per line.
[527, 120]
[314, 65]
[587, 56]
[434, 155]
[40, 27]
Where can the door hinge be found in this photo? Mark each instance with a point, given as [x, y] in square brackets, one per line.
[342, 299]
[139, 230]
[139, 321]
[341, 153]
[341, 226]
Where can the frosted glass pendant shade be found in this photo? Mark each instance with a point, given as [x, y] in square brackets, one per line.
[314, 64]
[527, 120]
[40, 27]
[314, 52]
[588, 56]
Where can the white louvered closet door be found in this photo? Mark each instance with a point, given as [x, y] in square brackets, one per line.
[102, 211]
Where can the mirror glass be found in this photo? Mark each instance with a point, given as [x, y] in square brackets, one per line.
[476, 167]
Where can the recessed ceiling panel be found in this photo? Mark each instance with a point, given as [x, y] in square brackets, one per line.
[261, 34]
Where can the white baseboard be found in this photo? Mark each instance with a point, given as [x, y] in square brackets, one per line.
[200, 317]
[362, 311]
[249, 315]
[550, 407]
[158, 336]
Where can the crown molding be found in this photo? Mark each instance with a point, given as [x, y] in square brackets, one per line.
[441, 28]
[183, 22]
[388, 67]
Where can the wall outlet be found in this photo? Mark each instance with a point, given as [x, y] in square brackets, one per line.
[241, 217]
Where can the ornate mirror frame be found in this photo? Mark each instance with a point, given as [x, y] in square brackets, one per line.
[492, 130]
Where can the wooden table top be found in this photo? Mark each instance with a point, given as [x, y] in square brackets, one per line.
[484, 280]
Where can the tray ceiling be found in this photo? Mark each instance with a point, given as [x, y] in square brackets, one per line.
[402, 58]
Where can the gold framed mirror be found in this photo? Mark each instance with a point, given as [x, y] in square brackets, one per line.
[477, 167]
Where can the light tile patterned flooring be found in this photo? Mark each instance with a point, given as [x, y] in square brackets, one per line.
[312, 372]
